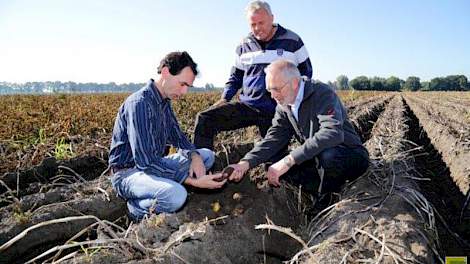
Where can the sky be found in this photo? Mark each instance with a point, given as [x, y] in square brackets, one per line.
[123, 41]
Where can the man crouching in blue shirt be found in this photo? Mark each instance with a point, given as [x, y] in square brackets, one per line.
[145, 123]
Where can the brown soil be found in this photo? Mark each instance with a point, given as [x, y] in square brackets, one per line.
[392, 204]
[52, 171]
[232, 238]
[441, 191]
[94, 198]
[383, 205]
[363, 118]
[455, 155]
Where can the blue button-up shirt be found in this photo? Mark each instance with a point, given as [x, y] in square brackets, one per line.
[144, 125]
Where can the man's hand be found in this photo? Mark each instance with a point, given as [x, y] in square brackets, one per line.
[219, 102]
[208, 181]
[239, 170]
[278, 169]
[197, 166]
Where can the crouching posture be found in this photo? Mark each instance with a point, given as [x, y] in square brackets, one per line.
[149, 181]
[330, 152]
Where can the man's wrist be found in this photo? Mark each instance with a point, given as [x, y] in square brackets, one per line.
[245, 164]
[288, 161]
[191, 181]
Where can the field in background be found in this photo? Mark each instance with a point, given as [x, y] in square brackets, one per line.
[35, 126]
[53, 150]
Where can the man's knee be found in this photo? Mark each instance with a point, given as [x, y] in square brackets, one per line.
[349, 162]
[204, 118]
[136, 213]
[327, 158]
[169, 201]
[208, 157]
[174, 200]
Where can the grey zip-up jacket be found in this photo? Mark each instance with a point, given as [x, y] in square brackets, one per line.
[323, 123]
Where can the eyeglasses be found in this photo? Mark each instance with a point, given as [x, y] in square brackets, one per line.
[276, 89]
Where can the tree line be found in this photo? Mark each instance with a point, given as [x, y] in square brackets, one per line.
[72, 87]
[412, 83]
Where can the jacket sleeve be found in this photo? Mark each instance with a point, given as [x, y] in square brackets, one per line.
[277, 137]
[235, 81]
[303, 59]
[330, 117]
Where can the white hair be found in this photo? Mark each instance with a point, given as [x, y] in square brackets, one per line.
[287, 68]
[256, 5]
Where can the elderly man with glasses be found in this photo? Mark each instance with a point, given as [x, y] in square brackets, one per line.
[330, 150]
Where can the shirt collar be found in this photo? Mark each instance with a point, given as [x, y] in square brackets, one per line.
[300, 95]
[152, 86]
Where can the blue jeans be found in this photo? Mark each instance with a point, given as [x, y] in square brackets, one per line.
[329, 170]
[146, 193]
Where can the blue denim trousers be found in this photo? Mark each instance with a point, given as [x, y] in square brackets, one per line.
[330, 169]
[146, 193]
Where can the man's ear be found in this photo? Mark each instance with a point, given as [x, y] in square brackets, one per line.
[296, 83]
[165, 71]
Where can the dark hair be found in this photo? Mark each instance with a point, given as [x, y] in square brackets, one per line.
[176, 61]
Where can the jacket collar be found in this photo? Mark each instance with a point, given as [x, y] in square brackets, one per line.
[309, 88]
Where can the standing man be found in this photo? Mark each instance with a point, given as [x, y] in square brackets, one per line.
[148, 181]
[330, 153]
[266, 43]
